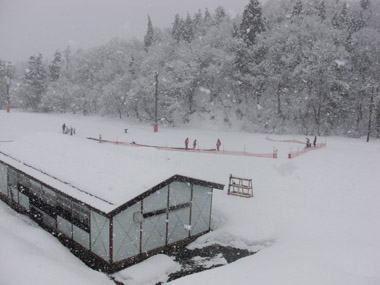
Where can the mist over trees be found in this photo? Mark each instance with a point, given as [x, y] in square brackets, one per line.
[310, 67]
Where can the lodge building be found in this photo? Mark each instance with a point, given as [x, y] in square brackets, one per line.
[104, 234]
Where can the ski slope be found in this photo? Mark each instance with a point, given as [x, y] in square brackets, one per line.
[314, 218]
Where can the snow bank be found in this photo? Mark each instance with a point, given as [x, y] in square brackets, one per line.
[159, 267]
[314, 218]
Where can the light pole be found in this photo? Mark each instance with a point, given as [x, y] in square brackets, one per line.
[155, 128]
[7, 83]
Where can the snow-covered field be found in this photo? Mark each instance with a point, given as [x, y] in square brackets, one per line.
[315, 218]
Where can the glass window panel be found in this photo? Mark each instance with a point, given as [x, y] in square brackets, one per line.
[100, 232]
[179, 225]
[35, 186]
[14, 193]
[64, 226]
[81, 237]
[24, 180]
[81, 213]
[49, 221]
[24, 201]
[156, 201]
[3, 179]
[180, 193]
[126, 234]
[154, 232]
[12, 176]
[65, 203]
[49, 196]
[201, 209]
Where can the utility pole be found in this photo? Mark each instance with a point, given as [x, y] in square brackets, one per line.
[7, 83]
[155, 129]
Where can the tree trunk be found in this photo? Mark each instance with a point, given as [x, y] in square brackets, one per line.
[279, 112]
[359, 117]
[317, 118]
[377, 120]
[370, 115]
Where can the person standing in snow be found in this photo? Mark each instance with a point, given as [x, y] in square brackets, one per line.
[63, 128]
[315, 141]
[308, 144]
[195, 144]
[218, 144]
[186, 143]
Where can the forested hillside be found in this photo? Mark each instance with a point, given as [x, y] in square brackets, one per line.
[308, 67]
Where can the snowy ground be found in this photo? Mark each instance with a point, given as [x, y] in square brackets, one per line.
[315, 218]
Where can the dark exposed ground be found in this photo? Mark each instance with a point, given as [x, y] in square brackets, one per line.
[186, 256]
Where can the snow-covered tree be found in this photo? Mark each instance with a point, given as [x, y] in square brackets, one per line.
[252, 22]
[188, 31]
[34, 83]
[148, 39]
[220, 14]
[177, 28]
[55, 66]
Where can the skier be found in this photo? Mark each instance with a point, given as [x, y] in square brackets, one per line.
[218, 144]
[315, 141]
[63, 128]
[194, 143]
[186, 143]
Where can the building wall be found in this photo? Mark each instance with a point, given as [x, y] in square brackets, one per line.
[201, 209]
[126, 234]
[174, 213]
[3, 179]
[55, 211]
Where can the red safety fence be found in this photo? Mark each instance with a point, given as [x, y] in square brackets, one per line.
[305, 150]
[286, 141]
[207, 151]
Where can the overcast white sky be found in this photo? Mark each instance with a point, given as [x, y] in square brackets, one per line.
[28, 27]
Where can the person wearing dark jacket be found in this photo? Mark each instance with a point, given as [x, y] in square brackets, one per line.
[218, 144]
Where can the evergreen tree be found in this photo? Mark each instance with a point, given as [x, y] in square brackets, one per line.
[148, 39]
[55, 66]
[297, 9]
[340, 20]
[197, 22]
[365, 4]
[6, 75]
[188, 32]
[207, 17]
[34, 83]
[322, 10]
[235, 30]
[252, 22]
[177, 29]
[220, 14]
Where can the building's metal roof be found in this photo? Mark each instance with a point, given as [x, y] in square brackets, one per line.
[104, 177]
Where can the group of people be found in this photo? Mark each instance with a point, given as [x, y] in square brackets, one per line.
[308, 143]
[218, 144]
[68, 130]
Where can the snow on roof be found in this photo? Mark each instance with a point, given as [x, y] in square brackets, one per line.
[104, 176]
